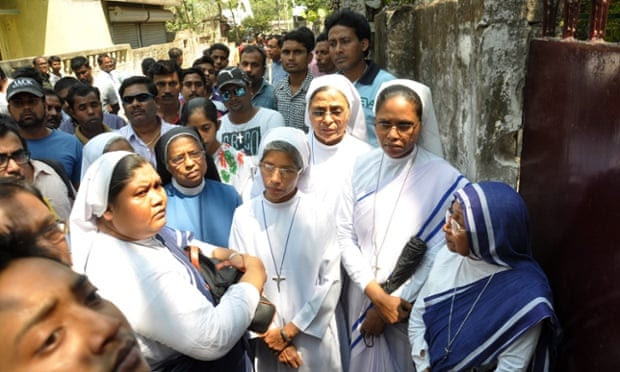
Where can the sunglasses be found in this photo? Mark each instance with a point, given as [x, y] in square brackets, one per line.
[227, 94]
[142, 97]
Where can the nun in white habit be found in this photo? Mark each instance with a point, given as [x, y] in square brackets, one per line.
[99, 145]
[290, 231]
[397, 191]
[337, 138]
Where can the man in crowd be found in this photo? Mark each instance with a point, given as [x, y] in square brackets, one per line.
[55, 69]
[85, 109]
[27, 108]
[245, 124]
[107, 71]
[253, 63]
[40, 64]
[53, 107]
[192, 84]
[207, 66]
[176, 55]
[219, 53]
[276, 71]
[321, 53]
[166, 76]
[68, 124]
[348, 34]
[290, 93]
[138, 96]
[84, 73]
[49, 178]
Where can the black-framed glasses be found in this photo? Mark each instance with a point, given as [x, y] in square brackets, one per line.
[401, 126]
[20, 156]
[142, 97]
[179, 159]
[227, 94]
[285, 172]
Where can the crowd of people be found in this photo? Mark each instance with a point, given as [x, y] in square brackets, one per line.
[316, 175]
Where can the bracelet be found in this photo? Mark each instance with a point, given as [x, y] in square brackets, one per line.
[284, 336]
[233, 255]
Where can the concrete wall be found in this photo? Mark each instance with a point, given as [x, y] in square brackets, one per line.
[472, 54]
[32, 15]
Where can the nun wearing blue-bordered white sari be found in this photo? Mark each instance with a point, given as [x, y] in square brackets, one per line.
[397, 191]
[486, 303]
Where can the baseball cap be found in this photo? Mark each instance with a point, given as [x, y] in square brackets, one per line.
[24, 85]
[232, 76]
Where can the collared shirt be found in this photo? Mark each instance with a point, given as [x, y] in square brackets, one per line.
[277, 72]
[46, 179]
[293, 106]
[367, 86]
[138, 145]
[264, 97]
[83, 138]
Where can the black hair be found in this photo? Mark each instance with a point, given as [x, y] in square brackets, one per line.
[218, 46]
[101, 57]
[164, 67]
[174, 53]
[81, 90]
[134, 80]
[49, 92]
[321, 37]
[65, 83]
[53, 59]
[8, 125]
[349, 18]
[302, 35]
[254, 49]
[122, 174]
[28, 72]
[79, 61]
[278, 39]
[199, 103]
[189, 71]
[400, 91]
[203, 59]
[146, 65]
[34, 60]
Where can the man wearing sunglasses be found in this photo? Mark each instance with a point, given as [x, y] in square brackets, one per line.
[138, 97]
[245, 124]
[16, 165]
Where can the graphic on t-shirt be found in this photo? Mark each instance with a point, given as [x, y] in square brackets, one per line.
[245, 140]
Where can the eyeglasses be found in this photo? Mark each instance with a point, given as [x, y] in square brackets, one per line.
[55, 230]
[227, 94]
[335, 113]
[269, 169]
[401, 126]
[455, 227]
[142, 97]
[180, 159]
[20, 157]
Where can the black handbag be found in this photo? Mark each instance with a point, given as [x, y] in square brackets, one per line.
[219, 281]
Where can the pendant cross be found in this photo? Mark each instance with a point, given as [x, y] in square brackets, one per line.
[278, 279]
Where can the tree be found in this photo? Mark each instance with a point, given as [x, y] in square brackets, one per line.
[192, 15]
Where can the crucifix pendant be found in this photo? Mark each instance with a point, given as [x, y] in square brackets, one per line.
[240, 137]
[278, 279]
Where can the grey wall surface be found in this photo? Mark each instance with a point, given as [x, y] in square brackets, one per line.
[472, 54]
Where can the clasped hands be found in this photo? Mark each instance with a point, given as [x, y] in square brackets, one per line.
[386, 310]
[285, 351]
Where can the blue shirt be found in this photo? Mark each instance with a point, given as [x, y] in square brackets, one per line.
[208, 214]
[60, 146]
[264, 97]
[367, 87]
[277, 72]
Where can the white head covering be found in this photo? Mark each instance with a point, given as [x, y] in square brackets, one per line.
[94, 148]
[296, 138]
[91, 200]
[357, 122]
[429, 136]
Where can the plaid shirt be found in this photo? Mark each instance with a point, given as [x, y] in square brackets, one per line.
[292, 106]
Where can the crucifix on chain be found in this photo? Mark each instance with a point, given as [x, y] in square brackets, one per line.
[278, 279]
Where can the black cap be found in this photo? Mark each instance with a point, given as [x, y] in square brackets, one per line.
[232, 76]
[24, 85]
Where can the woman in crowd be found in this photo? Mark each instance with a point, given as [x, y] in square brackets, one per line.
[233, 166]
[195, 203]
[293, 235]
[486, 304]
[120, 241]
[333, 111]
[396, 192]
[99, 145]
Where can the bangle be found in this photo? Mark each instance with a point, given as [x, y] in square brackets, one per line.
[284, 336]
[232, 255]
